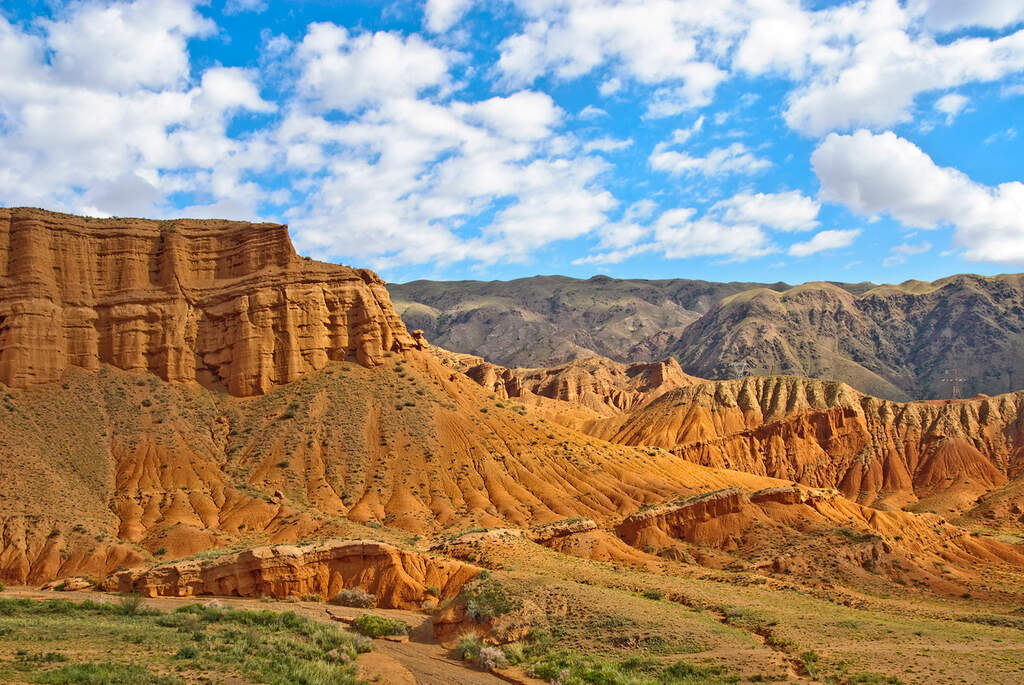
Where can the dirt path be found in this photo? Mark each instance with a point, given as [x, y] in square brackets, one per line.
[420, 661]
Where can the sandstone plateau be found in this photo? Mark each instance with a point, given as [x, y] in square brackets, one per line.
[215, 301]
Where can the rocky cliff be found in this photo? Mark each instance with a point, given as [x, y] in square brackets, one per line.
[220, 302]
[397, 578]
[598, 384]
[826, 434]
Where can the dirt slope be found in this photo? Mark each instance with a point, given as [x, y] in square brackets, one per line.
[102, 469]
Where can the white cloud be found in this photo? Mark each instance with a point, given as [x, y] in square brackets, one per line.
[610, 87]
[902, 251]
[524, 116]
[241, 6]
[124, 45]
[659, 42]
[441, 15]
[345, 72]
[681, 135]
[591, 112]
[607, 144]
[951, 105]
[882, 173]
[90, 126]
[911, 248]
[789, 211]
[946, 15]
[1008, 134]
[734, 159]
[878, 83]
[679, 235]
[824, 240]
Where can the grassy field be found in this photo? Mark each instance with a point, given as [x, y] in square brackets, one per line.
[757, 630]
[94, 643]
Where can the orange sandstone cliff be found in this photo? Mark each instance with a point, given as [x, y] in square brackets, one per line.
[214, 301]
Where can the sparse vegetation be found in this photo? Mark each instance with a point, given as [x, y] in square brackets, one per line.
[259, 646]
[372, 625]
[487, 599]
[354, 597]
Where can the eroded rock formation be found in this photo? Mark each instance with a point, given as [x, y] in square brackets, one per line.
[597, 384]
[826, 434]
[215, 301]
[398, 578]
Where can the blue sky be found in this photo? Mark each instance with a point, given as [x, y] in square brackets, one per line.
[756, 140]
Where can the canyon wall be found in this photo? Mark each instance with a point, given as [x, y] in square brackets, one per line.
[220, 302]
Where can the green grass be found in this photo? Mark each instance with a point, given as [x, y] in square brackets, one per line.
[373, 625]
[487, 599]
[91, 642]
[105, 673]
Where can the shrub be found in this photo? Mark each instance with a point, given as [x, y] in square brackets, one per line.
[652, 594]
[491, 658]
[1, 587]
[310, 597]
[187, 652]
[160, 551]
[372, 625]
[514, 653]
[468, 647]
[130, 605]
[354, 597]
[810, 662]
[488, 600]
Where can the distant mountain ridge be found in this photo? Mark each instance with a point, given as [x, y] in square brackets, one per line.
[895, 341]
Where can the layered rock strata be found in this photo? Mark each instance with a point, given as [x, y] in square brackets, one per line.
[397, 578]
[221, 302]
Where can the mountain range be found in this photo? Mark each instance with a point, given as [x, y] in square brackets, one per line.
[900, 342]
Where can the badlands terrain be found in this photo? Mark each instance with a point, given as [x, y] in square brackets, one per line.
[205, 437]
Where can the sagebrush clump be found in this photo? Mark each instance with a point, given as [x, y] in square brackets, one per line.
[355, 597]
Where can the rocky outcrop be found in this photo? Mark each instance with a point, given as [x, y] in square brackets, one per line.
[826, 434]
[397, 578]
[793, 529]
[597, 384]
[225, 303]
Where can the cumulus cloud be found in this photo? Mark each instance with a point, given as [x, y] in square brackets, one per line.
[951, 105]
[441, 15]
[789, 211]
[345, 72]
[864, 64]
[734, 159]
[100, 114]
[648, 41]
[873, 174]
[824, 240]
[415, 175]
